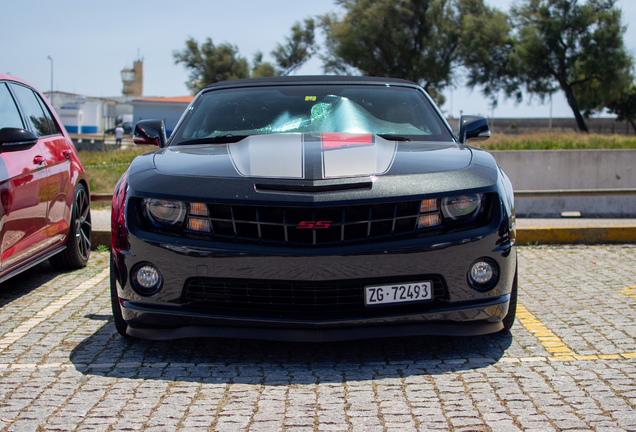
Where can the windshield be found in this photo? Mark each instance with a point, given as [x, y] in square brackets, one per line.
[400, 112]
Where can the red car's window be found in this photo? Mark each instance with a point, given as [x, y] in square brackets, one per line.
[32, 110]
[54, 127]
[9, 114]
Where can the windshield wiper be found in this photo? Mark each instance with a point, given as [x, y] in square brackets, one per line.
[220, 139]
[394, 137]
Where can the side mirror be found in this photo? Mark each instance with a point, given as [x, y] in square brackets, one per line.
[473, 128]
[150, 132]
[14, 139]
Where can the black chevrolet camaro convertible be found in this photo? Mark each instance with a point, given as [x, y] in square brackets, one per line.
[313, 209]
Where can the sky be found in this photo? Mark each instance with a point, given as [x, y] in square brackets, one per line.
[90, 42]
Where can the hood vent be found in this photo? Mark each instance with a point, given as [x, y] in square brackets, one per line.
[312, 189]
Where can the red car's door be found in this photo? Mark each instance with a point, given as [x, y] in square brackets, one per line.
[55, 148]
[59, 186]
[23, 192]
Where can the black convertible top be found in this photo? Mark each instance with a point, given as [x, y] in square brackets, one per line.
[309, 79]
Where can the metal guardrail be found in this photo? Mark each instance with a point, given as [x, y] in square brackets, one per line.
[560, 193]
[518, 194]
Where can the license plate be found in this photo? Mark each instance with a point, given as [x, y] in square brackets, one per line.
[398, 293]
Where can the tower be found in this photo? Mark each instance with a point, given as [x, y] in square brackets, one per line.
[133, 79]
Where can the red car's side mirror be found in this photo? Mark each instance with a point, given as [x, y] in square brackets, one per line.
[14, 139]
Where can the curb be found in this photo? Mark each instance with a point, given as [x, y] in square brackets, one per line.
[576, 235]
[100, 238]
[525, 236]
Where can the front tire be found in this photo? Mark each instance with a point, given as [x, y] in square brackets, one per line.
[78, 243]
[509, 319]
[120, 324]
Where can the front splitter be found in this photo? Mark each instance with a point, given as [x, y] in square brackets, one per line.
[321, 335]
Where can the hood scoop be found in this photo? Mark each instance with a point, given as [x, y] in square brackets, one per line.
[298, 189]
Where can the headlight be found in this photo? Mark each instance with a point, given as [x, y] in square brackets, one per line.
[164, 212]
[461, 208]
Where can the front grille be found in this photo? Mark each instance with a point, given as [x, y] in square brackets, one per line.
[301, 299]
[312, 226]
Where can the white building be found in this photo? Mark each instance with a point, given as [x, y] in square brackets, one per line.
[89, 115]
[168, 109]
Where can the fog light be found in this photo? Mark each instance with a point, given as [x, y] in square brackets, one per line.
[483, 274]
[146, 280]
[148, 277]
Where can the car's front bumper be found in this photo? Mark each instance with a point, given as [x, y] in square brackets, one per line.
[461, 310]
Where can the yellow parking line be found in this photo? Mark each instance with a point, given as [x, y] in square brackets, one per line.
[551, 342]
[629, 292]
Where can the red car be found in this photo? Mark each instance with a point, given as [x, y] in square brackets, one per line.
[44, 194]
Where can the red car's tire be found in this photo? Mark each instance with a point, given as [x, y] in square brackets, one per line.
[78, 243]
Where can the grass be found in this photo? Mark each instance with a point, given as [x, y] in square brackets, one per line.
[105, 168]
[557, 141]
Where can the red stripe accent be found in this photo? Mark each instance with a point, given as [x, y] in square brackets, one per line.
[335, 140]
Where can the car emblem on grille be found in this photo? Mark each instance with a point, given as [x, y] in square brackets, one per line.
[312, 224]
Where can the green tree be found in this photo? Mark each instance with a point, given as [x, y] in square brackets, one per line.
[487, 52]
[417, 40]
[209, 63]
[262, 69]
[298, 49]
[624, 106]
[557, 44]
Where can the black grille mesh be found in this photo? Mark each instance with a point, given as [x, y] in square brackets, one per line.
[300, 299]
[281, 224]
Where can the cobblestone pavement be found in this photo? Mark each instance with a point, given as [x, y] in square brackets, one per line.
[568, 364]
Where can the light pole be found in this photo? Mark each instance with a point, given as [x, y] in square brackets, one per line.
[550, 123]
[51, 58]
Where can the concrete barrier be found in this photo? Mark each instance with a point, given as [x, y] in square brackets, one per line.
[533, 170]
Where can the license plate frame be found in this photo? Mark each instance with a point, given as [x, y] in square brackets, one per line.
[380, 295]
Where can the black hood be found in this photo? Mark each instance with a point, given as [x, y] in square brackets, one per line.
[308, 168]
[311, 157]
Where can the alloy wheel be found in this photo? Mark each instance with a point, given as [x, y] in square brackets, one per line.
[82, 223]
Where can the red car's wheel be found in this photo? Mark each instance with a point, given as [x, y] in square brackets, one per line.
[78, 244]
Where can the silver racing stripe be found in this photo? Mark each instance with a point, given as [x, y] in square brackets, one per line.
[285, 156]
[368, 159]
[269, 156]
